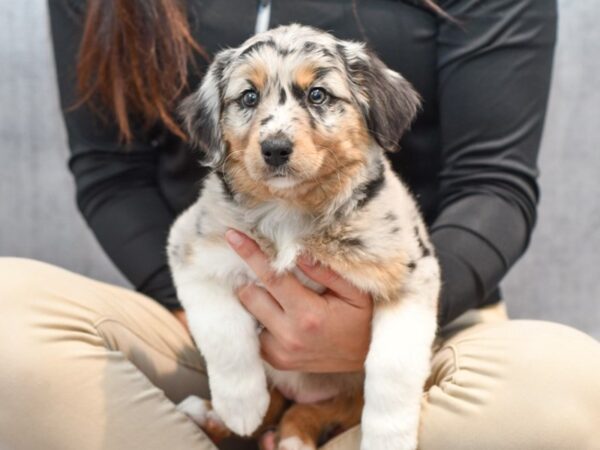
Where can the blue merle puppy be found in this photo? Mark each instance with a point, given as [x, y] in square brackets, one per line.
[295, 124]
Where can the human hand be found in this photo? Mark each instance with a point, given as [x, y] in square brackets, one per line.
[305, 331]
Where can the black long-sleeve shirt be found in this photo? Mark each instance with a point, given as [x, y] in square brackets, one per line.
[470, 157]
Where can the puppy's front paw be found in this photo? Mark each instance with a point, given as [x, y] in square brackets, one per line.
[375, 441]
[242, 406]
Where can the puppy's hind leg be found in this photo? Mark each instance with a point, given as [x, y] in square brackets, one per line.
[303, 424]
[202, 412]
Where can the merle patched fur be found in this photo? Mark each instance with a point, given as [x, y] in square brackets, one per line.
[294, 124]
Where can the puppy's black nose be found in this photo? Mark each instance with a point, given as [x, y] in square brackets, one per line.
[276, 152]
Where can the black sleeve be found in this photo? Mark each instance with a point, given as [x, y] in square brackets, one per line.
[493, 81]
[117, 190]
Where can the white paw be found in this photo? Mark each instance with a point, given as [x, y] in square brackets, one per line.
[374, 441]
[294, 443]
[195, 408]
[242, 410]
[199, 410]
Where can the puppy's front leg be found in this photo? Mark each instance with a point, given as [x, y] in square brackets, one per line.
[226, 335]
[397, 366]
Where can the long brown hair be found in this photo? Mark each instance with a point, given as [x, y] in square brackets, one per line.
[134, 59]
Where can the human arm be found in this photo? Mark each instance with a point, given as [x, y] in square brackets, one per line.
[493, 82]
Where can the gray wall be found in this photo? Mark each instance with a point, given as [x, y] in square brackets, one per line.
[556, 280]
[38, 216]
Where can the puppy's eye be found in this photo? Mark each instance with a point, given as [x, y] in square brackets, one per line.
[317, 96]
[250, 98]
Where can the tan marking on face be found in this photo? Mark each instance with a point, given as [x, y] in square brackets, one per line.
[305, 75]
[256, 73]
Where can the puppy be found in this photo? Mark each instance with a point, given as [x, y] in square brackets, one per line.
[295, 124]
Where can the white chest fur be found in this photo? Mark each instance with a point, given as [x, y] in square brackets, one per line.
[207, 272]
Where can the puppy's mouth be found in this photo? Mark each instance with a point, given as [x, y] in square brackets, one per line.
[280, 177]
[279, 172]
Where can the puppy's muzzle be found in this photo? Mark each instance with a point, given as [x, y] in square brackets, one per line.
[276, 151]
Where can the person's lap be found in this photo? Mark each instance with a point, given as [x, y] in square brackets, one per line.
[87, 365]
[509, 384]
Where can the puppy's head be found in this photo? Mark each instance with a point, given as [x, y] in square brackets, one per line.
[296, 107]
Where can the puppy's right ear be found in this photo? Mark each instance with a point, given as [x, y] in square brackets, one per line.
[201, 111]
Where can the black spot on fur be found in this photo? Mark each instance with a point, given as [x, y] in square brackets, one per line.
[395, 230]
[311, 121]
[390, 216]
[180, 252]
[227, 190]
[316, 49]
[247, 115]
[174, 252]
[325, 52]
[424, 249]
[309, 46]
[199, 225]
[411, 265]
[266, 119]
[320, 110]
[321, 72]
[283, 51]
[258, 45]
[199, 218]
[368, 190]
[282, 96]
[352, 242]
[298, 93]
[340, 108]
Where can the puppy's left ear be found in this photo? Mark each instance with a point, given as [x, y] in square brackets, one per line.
[201, 112]
[388, 101]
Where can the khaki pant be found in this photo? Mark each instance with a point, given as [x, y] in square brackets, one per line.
[85, 365]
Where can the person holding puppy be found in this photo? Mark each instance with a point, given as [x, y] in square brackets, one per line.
[113, 361]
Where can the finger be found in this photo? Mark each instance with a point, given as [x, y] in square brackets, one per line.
[272, 351]
[263, 306]
[284, 287]
[268, 440]
[333, 281]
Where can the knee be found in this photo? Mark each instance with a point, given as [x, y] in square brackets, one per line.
[21, 278]
[34, 319]
[19, 287]
[552, 374]
[516, 384]
[565, 384]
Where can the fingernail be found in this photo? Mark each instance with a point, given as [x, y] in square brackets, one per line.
[307, 261]
[239, 289]
[234, 238]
